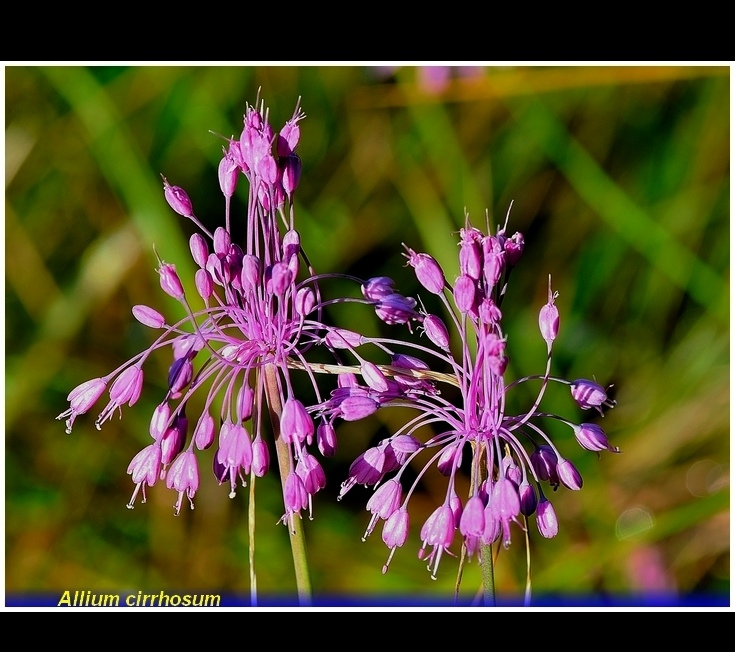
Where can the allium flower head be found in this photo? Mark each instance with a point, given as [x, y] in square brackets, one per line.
[256, 313]
[510, 453]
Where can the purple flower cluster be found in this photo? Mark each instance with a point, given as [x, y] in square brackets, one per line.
[251, 329]
[259, 312]
[510, 457]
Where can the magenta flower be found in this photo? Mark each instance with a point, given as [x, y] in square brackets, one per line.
[510, 454]
[256, 313]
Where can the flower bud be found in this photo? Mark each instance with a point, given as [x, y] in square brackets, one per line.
[177, 199]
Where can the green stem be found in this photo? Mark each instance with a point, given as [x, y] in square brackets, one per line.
[488, 574]
[298, 544]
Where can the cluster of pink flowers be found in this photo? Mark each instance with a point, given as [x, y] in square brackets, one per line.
[259, 313]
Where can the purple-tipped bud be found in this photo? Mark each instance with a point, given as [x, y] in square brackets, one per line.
[593, 438]
[464, 294]
[204, 431]
[170, 281]
[148, 316]
[296, 424]
[589, 394]
[436, 331]
[568, 475]
[288, 137]
[326, 439]
[548, 525]
[177, 199]
[548, 319]
[428, 272]
[261, 458]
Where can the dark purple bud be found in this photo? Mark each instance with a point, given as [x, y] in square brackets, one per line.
[291, 173]
[179, 375]
[173, 440]
[527, 495]
[311, 472]
[544, 461]
[326, 439]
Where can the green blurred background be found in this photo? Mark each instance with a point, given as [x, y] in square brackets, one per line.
[619, 178]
